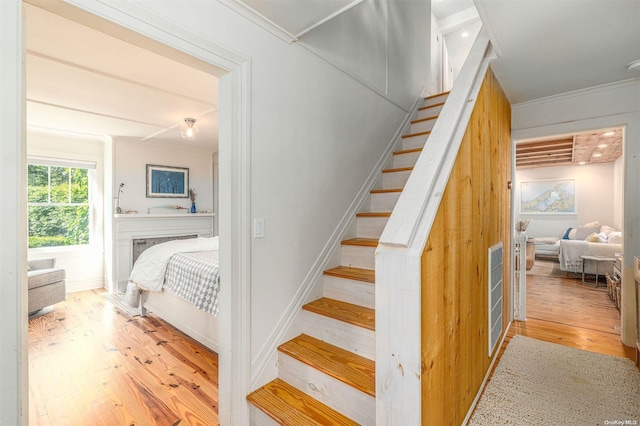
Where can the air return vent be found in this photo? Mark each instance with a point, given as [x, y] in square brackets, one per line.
[495, 295]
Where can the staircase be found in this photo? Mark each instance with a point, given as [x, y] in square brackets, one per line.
[326, 375]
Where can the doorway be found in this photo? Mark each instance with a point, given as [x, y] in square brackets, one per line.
[588, 167]
[145, 27]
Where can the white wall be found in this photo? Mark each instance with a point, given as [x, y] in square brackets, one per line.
[595, 189]
[383, 43]
[618, 193]
[130, 164]
[596, 108]
[316, 135]
[84, 265]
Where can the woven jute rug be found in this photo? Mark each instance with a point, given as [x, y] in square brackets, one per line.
[540, 383]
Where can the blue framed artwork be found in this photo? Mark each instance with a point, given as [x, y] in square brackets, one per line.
[167, 182]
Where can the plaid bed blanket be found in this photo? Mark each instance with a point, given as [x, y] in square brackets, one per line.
[194, 277]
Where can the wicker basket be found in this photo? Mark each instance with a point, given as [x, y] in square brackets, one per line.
[613, 288]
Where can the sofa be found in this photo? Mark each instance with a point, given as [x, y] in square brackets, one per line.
[589, 240]
[46, 284]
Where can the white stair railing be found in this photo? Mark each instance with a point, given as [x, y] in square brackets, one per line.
[398, 256]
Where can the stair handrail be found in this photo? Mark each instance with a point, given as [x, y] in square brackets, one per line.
[399, 366]
[436, 161]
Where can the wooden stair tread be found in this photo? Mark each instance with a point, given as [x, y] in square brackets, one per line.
[407, 151]
[436, 95]
[343, 311]
[430, 106]
[420, 120]
[373, 214]
[349, 272]
[290, 406]
[365, 242]
[399, 169]
[351, 369]
[410, 135]
[383, 191]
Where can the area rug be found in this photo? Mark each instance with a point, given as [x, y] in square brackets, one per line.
[117, 299]
[540, 383]
[549, 268]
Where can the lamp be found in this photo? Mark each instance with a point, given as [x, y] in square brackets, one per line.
[189, 130]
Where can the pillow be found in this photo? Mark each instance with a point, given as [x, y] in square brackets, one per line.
[572, 233]
[615, 238]
[592, 224]
[566, 234]
[606, 229]
[582, 232]
[592, 238]
[602, 237]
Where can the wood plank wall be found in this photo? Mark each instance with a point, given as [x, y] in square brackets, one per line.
[474, 215]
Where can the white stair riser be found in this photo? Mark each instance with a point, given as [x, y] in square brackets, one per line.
[435, 100]
[422, 126]
[393, 180]
[370, 227]
[405, 160]
[384, 201]
[414, 142]
[351, 291]
[359, 256]
[349, 401]
[257, 417]
[349, 337]
[428, 112]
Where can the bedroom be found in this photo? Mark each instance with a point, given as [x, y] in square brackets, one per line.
[588, 166]
[68, 125]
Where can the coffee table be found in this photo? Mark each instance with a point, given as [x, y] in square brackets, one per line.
[596, 259]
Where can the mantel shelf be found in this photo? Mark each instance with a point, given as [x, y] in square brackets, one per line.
[132, 216]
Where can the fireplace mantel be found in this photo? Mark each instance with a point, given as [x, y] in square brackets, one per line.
[127, 227]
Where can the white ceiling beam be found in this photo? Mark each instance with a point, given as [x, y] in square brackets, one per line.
[457, 20]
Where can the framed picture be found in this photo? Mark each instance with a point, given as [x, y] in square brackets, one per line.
[167, 182]
[548, 197]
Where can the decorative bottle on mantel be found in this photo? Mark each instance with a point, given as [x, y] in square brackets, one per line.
[192, 195]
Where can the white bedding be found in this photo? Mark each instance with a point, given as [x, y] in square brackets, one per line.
[572, 250]
[149, 270]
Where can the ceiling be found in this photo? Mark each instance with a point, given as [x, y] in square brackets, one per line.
[87, 82]
[546, 47]
[600, 146]
[91, 82]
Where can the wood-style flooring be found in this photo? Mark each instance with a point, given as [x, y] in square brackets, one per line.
[570, 313]
[92, 364]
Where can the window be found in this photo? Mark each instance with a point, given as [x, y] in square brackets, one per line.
[59, 201]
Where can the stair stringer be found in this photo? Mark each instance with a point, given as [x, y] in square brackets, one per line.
[398, 256]
[264, 367]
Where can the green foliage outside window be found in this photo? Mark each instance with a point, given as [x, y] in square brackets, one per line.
[58, 200]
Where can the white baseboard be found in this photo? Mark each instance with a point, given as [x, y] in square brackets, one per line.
[84, 285]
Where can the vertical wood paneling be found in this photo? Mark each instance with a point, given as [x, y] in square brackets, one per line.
[473, 216]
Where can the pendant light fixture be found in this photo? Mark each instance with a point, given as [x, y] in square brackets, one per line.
[189, 130]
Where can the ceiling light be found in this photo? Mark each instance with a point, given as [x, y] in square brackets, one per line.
[189, 130]
[634, 66]
[596, 154]
[603, 145]
[609, 133]
[465, 34]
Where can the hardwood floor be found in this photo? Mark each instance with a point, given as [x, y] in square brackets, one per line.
[568, 312]
[91, 363]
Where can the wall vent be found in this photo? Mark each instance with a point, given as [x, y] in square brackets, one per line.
[495, 283]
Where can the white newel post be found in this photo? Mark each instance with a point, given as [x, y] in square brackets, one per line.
[521, 276]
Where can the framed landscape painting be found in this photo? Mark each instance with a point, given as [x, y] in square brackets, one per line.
[167, 182]
[548, 197]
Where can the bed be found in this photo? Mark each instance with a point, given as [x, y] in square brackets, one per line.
[178, 281]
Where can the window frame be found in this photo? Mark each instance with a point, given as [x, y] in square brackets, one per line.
[90, 166]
